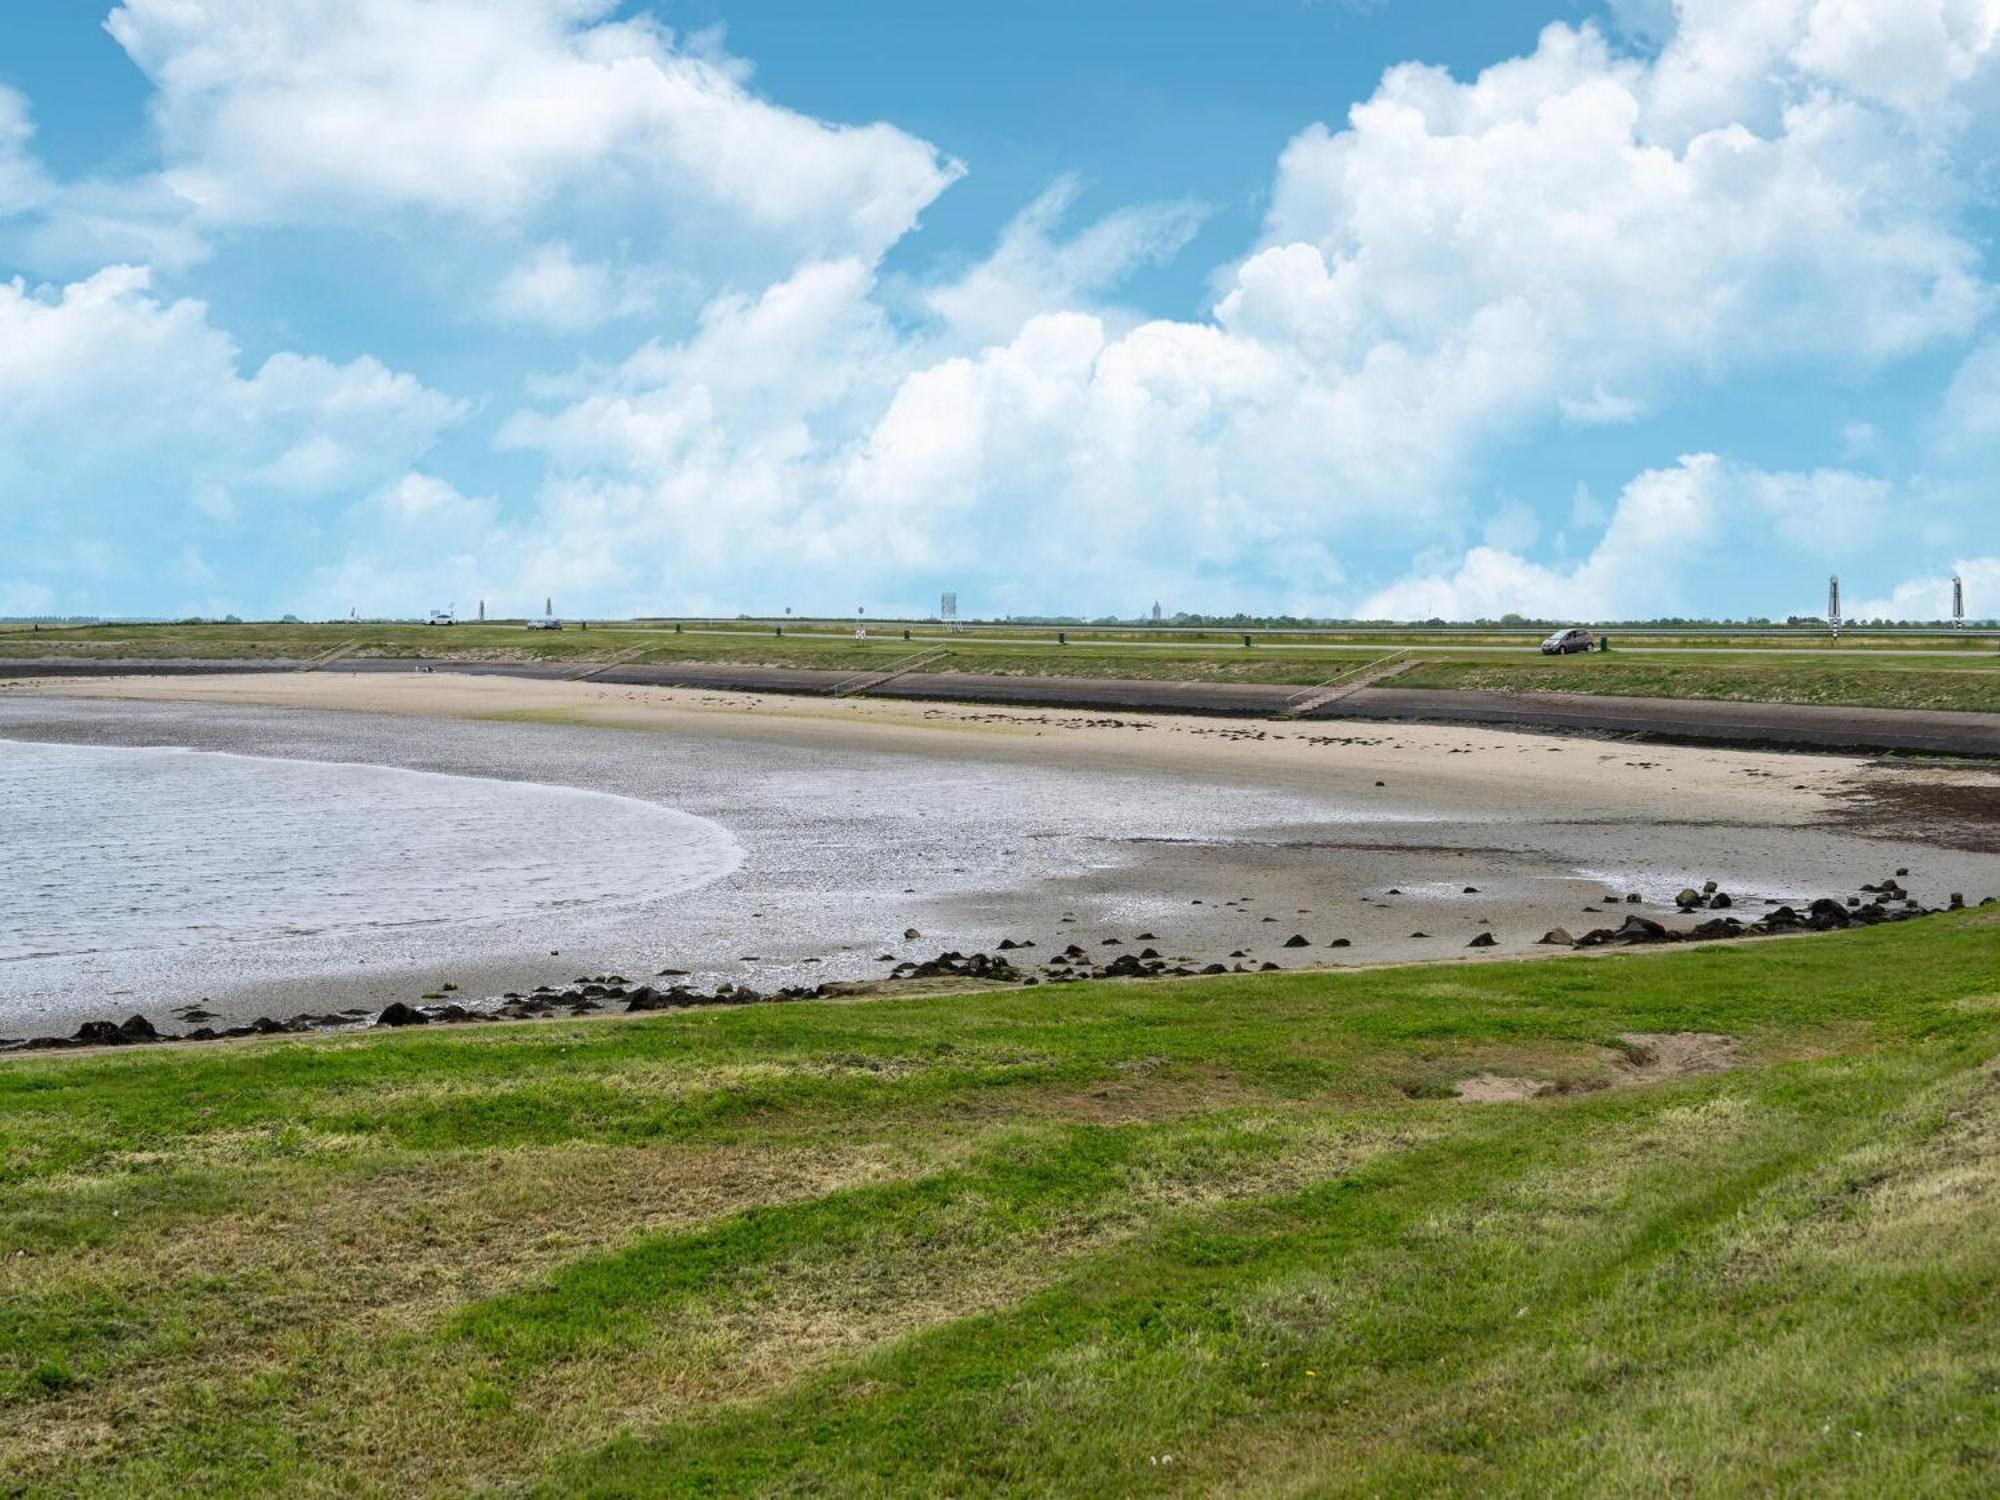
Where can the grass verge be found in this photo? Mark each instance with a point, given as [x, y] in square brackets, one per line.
[1225, 1234]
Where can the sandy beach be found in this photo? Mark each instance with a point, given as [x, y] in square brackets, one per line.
[862, 820]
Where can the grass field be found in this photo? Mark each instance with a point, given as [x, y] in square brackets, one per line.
[1893, 672]
[1164, 1238]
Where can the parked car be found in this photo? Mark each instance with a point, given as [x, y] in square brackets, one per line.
[545, 624]
[1576, 638]
[441, 617]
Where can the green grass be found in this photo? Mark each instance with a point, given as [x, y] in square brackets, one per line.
[1218, 1235]
[1970, 684]
[1896, 672]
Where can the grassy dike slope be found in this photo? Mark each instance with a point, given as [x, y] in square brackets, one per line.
[1921, 672]
[1167, 1237]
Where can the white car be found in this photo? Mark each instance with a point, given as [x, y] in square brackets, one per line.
[545, 624]
[1576, 638]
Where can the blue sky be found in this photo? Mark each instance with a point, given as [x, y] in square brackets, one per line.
[1404, 308]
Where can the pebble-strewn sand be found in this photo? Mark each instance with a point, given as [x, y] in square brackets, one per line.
[861, 819]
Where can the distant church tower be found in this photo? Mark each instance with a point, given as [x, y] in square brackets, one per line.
[1156, 611]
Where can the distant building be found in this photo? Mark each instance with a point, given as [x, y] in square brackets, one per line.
[1156, 611]
[948, 606]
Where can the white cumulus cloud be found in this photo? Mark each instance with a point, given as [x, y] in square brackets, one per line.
[1674, 532]
[111, 396]
[289, 111]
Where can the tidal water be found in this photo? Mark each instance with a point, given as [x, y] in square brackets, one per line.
[118, 853]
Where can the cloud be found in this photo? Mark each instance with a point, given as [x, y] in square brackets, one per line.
[1034, 269]
[1674, 533]
[553, 292]
[1627, 255]
[1968, 423]
[1929, 597]
[112, 397]
[1569, 237]
[497, 111]
[21, 180]
[1582, 236]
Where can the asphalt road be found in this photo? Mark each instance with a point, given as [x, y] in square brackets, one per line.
[1687, 720]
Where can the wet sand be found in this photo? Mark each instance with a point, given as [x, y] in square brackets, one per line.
[861, 819]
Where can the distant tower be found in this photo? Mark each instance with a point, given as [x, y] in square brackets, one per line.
[1957, 602]
[1156, 611]
[1833, 604]
[482, 611]
[948, 607]
[549, 607]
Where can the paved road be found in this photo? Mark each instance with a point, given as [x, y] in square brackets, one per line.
[1692, 720]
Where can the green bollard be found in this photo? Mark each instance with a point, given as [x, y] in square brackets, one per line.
[779, 632]
[1062, 637]
[906, 635]
[1247, 642]
[1604, 643]
[677, 627]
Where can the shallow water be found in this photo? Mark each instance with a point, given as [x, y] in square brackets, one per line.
[555, 856]
[111, 850]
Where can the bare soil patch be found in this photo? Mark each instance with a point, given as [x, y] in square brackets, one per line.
[1657, 1056]
[1636, 1058]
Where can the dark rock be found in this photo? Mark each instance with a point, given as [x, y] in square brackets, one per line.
[1216, 969]
[1717, 927]
[1297, 940]
[1341, 943]
[1557, 937]
[1484, 940]
[138, 1029]
[400, 1014]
